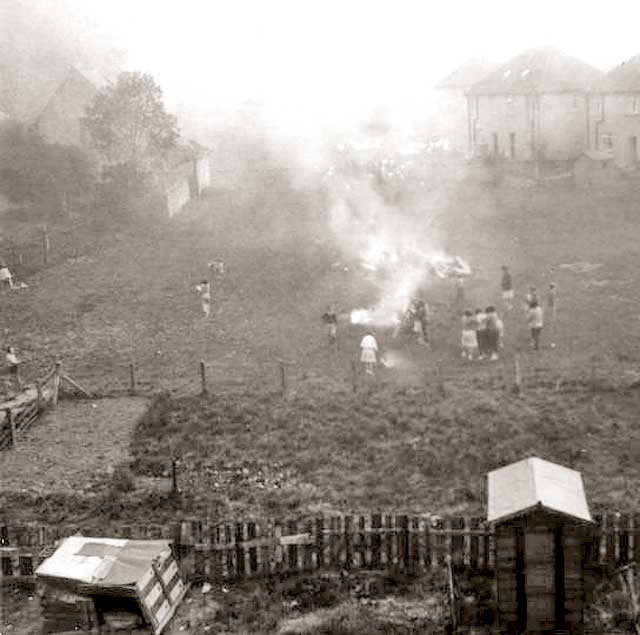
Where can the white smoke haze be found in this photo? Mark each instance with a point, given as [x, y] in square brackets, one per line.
[395, 245]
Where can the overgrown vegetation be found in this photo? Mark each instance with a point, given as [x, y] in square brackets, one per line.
[46, 179]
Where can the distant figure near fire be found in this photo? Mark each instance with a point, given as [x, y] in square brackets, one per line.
[536, 322]
[205, 297]
[368, 352]
[492, 333]
[217, 266]
[330, 320]
[507, 288]
[469, 337]
[421, 317]
[6, 279]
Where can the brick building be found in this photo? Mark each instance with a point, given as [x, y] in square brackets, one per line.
[451, 120]
[533, 107]
[614, 114]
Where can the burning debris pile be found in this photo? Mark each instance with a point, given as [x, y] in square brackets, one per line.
[394, 244]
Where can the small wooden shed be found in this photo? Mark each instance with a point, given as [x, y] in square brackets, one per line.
[98, 581]
[543, 532]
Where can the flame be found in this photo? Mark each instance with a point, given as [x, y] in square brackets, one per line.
[393, 245]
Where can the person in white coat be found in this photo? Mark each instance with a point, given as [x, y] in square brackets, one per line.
[369, 352]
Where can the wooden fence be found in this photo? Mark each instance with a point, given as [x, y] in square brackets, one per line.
[400, 542]
[19, 413]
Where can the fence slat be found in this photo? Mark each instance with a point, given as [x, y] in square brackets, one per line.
[376, 540]
[389, 541]
[402, 523]
[348, 542]
[319, 528]
[414, 544]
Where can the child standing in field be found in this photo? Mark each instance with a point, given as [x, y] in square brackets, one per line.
[13, 364]
[330, 320]
[492, 335]
[469, 336]
[507, 288]
[6, 279]
[532, 296]
[421, 321]
[500, 327]
[481, 333]
[536, 323]
[217, 266]
[368, 352]
[205, 297]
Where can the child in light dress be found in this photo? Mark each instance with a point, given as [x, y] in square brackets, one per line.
[369, 352]
[469, 336]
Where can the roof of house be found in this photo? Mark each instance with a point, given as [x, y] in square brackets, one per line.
[471, 72]
[76, 84]
[103, 562]
[623, 78]
[536, 484]
[544, 70]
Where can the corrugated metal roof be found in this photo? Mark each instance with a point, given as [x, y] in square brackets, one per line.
[103, 562]
[531, 483]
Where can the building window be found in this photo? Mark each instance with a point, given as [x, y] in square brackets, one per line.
[597, 105]
[512, 145]
[634, 106]
[496, 145]
[576, 101]
[606, 141]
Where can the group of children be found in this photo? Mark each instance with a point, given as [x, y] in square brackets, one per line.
[482, 334]
[483, 330]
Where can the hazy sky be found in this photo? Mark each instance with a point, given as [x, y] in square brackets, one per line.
[331, 59]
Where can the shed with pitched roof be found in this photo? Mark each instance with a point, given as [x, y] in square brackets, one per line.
[543, 531]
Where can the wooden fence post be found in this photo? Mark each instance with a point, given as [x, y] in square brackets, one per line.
[132, 379]
[56, 383]
[174, 476]
[452, 596]
[45, 246]
[354, 375]
[203, 378]
[442, 391]
[518, 376]
[283, 378]
[11, 426]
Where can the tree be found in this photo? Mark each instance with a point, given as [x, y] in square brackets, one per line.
[128, 122]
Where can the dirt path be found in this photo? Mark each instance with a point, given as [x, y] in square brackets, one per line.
[71, 446]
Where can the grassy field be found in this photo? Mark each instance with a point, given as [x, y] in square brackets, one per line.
[323, 447]
[397, 443]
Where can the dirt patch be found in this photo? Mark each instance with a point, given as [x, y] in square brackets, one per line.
[72, 446]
